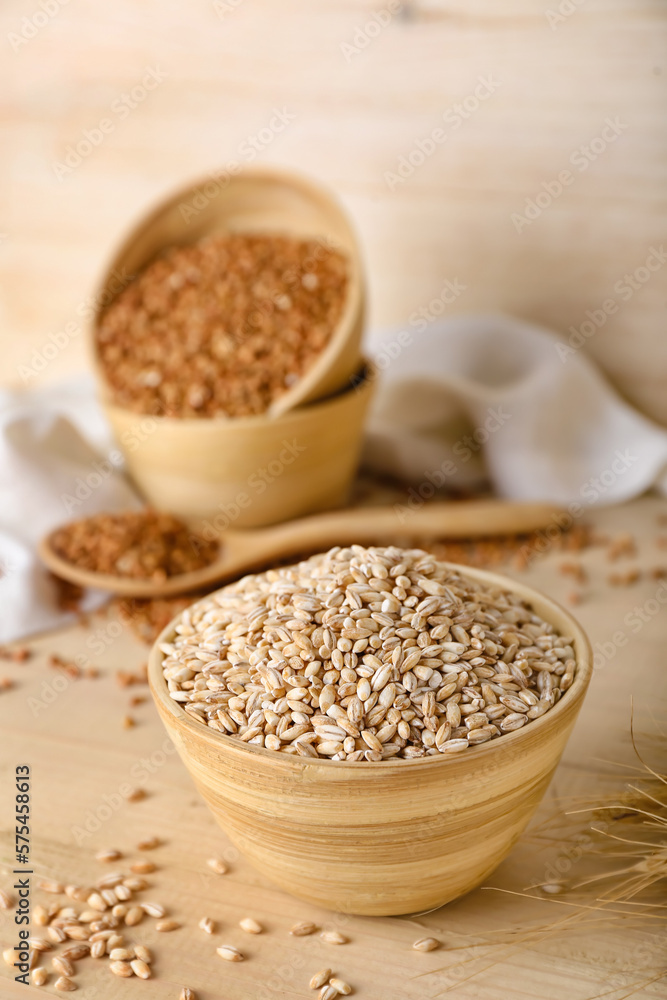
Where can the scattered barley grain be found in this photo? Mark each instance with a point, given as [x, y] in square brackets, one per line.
[320, 979]
[339, 984]
[229, 953]
[140, 969]
[426, 944]
[165, 926]
[123, 969]
[304, 928]
[65, 985]
[250, 926]
[334, 937]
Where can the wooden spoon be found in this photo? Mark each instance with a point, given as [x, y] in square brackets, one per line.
[243, 550]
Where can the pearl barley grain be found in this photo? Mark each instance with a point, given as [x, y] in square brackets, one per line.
[39, 944]
[140, 969]
[446, 665]
[65, 985]
[121, 954]
[50, 885]
[341, 986]
[122, 969]
[108, 855]
[229, 953]
[303, 929]
[165, 926]
[217, 865]
[134, 916]
[250, 926]
[149, 844]
[62, 965]
[142, 867]
[76, 951]
[426, 944]
[320, 979]
[333, 937]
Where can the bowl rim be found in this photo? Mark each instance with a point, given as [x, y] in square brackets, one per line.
[361, 382]
[574, 694]
[319, 193]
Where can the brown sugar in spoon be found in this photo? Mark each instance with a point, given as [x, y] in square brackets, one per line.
[245, 549]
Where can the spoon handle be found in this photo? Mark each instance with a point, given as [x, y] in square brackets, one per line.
[455, 519]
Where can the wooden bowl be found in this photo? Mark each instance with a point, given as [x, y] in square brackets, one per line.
[259, 200]
[383, 838]
[250, 471]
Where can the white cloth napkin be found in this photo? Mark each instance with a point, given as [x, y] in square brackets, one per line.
[463, 401]
[480, 397]
[57, 463]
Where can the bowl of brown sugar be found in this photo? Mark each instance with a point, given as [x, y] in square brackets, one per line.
[226, 338]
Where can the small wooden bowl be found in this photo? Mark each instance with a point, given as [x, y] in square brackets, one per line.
[380, 838]
[250, 471]
[253, 200]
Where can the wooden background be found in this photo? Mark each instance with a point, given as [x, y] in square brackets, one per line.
[357, 110]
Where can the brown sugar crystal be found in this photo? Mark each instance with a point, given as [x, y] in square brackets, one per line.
[221, 327]
[141, 544]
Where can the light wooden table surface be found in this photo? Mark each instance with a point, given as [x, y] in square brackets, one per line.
[494, 944]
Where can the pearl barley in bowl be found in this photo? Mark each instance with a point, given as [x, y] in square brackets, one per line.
[371, 727]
